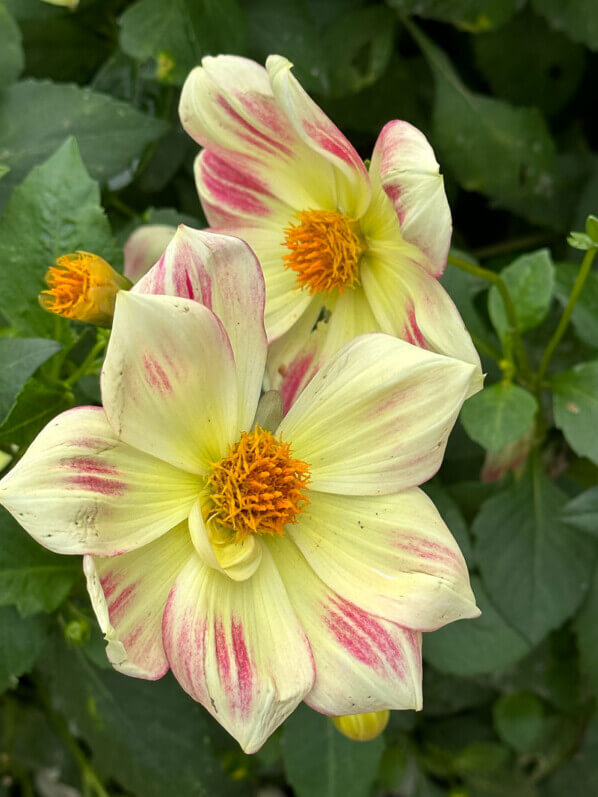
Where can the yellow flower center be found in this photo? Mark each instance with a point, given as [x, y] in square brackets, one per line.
[82, 286]
[324, 249]
[259, 487]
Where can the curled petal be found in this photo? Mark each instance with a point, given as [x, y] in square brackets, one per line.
[169, 382]
[376, 417]
[144, 247]
[392, 556]
[238, 648]
[363, 663]
[128, 594]
[78, 489]
[404, 164]
[223, 274]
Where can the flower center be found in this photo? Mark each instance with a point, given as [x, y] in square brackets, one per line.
[259, 487]
[82, 286]
[324, 249]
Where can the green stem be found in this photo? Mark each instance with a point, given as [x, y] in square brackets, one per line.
[511, 245]
[496, 279]
[554, 341]
[91, 781]
[87, 363]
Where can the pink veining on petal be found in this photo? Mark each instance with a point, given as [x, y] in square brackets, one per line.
[230, 193]
[257, 138]
[132, 636]
[426, 549]
[222, 654]
[293, 377]
[412, 333]
[267, 111]
[109, 582]
[244, 671]
[89, 465]
[117, 608]
[156, 376]
[235, 170]
[96, 484]
[375, 648]
[335, 143]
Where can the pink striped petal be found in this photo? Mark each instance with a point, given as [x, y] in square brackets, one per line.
[144, 247]
[223, 274]
[404, 163]
[169, 382]
[238, 648]
[128, 594]
[78, 489]
[389, 555]
[411, 304]
[255, 162]
[317, 131]
[363, 663]
[376, 417]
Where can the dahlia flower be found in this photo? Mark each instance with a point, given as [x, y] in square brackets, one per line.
[366, 246]
[263, 561]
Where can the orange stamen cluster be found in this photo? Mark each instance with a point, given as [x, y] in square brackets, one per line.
[82, 286]
[325, 249]
[259, 487]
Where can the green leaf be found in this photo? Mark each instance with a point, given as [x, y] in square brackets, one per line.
[586, 632]
[498, 415]
[582, 511]
[321, 762]
[536, 568]
[548, 81]
[150, 736]
[359, 46]
[579, 776]
[452, 516]
[21, 642]
[19, 358]
[55, 210]
[32, 578]
[463, 289]
[530, 281]
[576, 18]
[178, 33]
[470, 15]
[520, 720]
[12, 58]
[575, 397]
[111, 134]
[474, 647]
[504, 152]
[585, 312]
[36, 405]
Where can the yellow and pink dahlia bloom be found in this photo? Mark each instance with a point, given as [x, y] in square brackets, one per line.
[263, 561]
[364, 246]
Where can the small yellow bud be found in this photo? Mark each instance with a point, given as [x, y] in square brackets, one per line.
[83, 286]
[362, 727]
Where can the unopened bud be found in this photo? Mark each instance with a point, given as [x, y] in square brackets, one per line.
[83, 286]
[362, 727]
[77, 631]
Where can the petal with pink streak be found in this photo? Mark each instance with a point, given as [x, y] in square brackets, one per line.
[78, 489]
[376, 417]
[317, 131]
[391, 556]
[363, 663]
[169, 382]
[411, 304]
[128, 594]
[144, 247]
[238, 648]
[256, 159]
[223, 274]
[404, 163]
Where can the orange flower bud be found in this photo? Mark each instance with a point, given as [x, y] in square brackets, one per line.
[83, 286]
[362, 727]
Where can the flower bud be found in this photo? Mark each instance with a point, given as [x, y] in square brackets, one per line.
[77, 631]
[72, 4]
[144, 248]
[362, 727]
[83, 286]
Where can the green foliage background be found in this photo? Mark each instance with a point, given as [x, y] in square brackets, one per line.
[90, 148]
